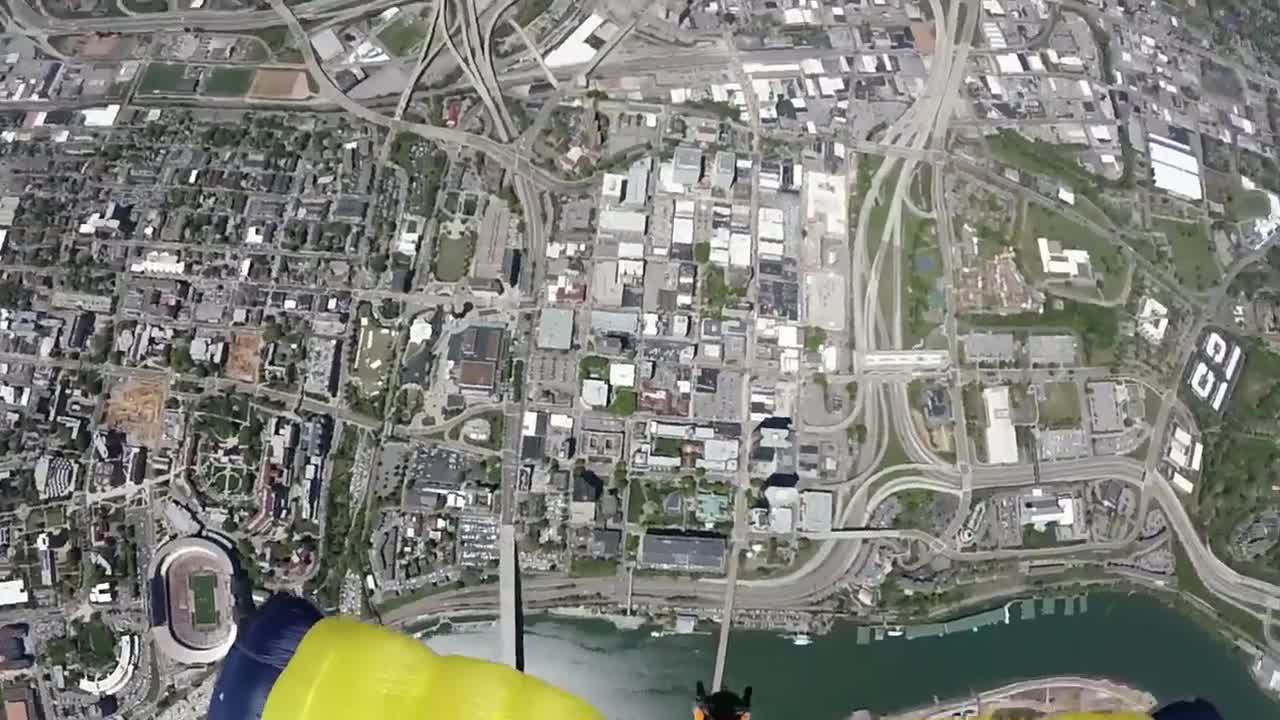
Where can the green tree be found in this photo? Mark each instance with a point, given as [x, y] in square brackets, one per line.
[814, 337]
[180, 358]
[702, 252]
[859, 433]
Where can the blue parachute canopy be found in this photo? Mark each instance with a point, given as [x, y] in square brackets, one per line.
[260, 653]
[1188, 710]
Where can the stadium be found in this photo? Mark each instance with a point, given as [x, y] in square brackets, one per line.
[192, 602]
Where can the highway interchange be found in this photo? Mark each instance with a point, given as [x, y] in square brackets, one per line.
[882, 406]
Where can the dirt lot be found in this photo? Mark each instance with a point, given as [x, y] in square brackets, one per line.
[244, 357]
[137, 408]
[286, 84]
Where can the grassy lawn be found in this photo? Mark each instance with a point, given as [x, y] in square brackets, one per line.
[894, 455]
[1061, 406]
[1256, 403]
[225, 479]
[670, 447]
[1190, 583]
[402, 35]
[1249, 204]
[590, 567]
[204, 607]
[1108, 263]
[229, 82]
[1147, 247]
[1086, 207]
[96, 643]
[923, 270]
[1193, 259]
[1119, 212]
[594, 367]
[635, 501]
[275, 38]
[48, 517]
[1042, 158]
[1242, 461]
[220, 426]
[879, 213]
[251, 50]
[624, 402]
[875, 233]
[1240, 204]
[865, 167]
[167, 78]
[1033, 538]
[917, 510]
[453, 257]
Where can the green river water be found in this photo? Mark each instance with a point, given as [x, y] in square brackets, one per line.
[1133, 639]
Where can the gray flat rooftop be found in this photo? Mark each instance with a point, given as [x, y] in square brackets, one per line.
[989, 346]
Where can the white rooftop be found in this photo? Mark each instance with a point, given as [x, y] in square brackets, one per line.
[1002, 439]
[1056, 260]
[575, 50]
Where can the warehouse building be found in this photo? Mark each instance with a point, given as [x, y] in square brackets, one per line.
[1174, 168]
[1002, 439]
[683, 552]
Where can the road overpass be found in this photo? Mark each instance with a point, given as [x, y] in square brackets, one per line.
[214, 20]
[820, 574]
[930, 362]
[935, 543]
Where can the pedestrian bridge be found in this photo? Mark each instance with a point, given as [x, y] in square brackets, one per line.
[936, 544]
[897, 361]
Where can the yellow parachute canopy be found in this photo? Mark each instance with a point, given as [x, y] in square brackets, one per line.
[346, 670]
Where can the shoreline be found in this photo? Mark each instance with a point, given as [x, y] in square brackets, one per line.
[912, 694]
[819, 623]
[1120, 696]
[1180, 599]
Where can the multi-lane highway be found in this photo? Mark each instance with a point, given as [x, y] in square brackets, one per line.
[499, 150]
[34, 22]
[882, 406]
[918, 136]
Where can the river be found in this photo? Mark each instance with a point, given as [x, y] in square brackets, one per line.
[1132, 639]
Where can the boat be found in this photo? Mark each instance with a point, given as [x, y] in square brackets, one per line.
[894, 630]
[659, 633]
[800, 639]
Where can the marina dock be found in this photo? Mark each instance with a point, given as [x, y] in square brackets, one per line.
[1026, 609]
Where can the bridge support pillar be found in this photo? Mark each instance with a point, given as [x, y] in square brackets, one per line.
[510, 620]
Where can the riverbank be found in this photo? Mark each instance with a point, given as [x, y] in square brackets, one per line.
[1040, 696]
[1183, 594]
[823, 622]
[618, 620]
[1132, 640]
